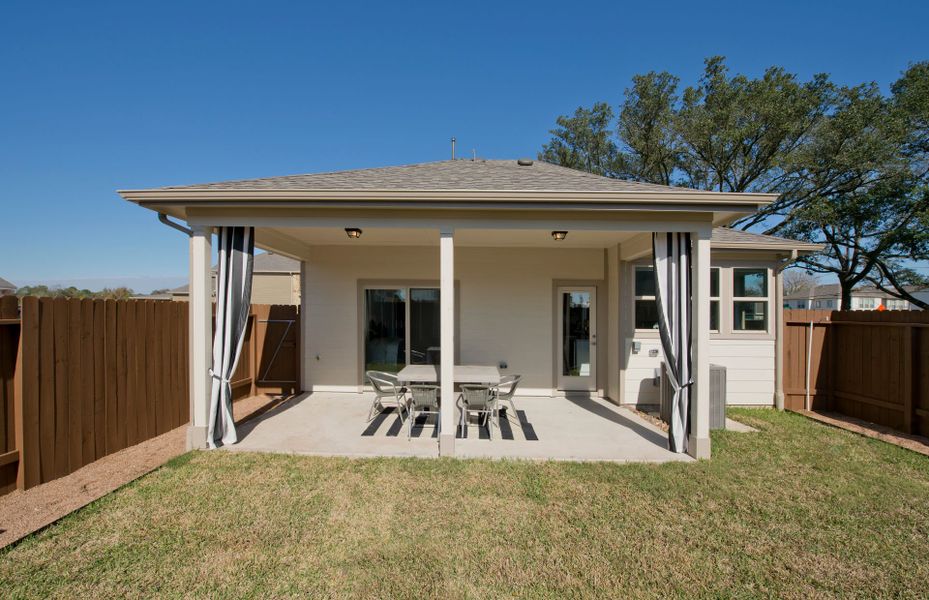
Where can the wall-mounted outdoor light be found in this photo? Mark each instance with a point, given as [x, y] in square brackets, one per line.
[559, 235]
[353, 232]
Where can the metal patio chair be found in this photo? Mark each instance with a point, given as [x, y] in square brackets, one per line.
[387, 392]
[479, 400]
[424, 400]
[506, 389]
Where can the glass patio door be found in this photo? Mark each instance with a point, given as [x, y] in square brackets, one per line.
[577, 339]
[401, 327]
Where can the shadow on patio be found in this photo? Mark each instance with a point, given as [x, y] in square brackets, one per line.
[544, 428]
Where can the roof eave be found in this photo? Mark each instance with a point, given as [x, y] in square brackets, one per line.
[413, 197]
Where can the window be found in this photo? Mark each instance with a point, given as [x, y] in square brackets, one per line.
[867, 303]
[646, 308]
[401, 326]
[750, 299]
[714, 299]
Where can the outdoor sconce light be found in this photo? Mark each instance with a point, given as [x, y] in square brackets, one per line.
[353, 232]
[559, 235]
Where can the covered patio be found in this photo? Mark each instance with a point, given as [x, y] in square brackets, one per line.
[521, 266]
[573, 427]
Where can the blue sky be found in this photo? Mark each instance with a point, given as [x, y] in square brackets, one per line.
[97, 96]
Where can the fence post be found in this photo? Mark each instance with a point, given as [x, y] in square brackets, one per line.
[908, 379]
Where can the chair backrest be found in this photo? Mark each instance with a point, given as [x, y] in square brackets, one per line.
[476, 396]
[383, 383]
[508, 384]
[425, 396]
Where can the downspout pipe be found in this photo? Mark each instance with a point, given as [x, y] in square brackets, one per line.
[779, 331]
[164, 219]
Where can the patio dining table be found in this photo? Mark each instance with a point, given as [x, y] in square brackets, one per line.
[473, 374]
[476, 374]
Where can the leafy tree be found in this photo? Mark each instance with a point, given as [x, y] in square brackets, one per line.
[651, 150]
[583, 141]
[43, 291]
[849, 163]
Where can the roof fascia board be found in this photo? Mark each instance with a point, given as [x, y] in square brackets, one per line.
[185, 196]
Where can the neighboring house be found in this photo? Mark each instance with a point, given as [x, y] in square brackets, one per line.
[6, 288]
[546, 271]
[829, 297]
[276, 280]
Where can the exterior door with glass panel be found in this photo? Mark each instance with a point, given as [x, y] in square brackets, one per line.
[401, 327]
[577, 339]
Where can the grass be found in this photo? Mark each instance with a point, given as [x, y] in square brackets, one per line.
[797, 510]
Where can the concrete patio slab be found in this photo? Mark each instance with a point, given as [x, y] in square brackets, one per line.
[577, 428]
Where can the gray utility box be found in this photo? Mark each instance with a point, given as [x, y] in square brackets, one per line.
[717, 396]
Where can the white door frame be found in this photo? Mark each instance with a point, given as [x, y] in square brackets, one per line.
[574, 383]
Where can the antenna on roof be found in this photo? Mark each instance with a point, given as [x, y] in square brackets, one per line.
[453, 148]
[473, 155]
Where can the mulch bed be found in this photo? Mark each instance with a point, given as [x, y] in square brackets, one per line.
[24, 512]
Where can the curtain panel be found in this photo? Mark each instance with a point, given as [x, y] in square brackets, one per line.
[233, 300]
[672, 257]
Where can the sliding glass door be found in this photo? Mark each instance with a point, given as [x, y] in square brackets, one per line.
[401, 327]
[385, 330]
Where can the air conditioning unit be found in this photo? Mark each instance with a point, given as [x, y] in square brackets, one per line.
[717, 396]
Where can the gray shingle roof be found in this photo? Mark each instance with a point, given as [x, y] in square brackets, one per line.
[832, 290]
[478, 174]
[6, 285]
[266, 262]
[724, 237]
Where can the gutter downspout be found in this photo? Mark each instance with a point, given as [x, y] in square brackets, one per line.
[779, 332]
[164, 219]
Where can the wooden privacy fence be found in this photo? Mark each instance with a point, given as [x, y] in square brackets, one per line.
[81, 379]
[871, 365]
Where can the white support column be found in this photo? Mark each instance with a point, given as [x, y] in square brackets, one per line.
[305, 382]
[201, 334]
[447, 341]
[613, 343]
[699, 442]
[779, 338]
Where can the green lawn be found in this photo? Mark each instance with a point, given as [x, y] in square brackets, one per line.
[797, 510]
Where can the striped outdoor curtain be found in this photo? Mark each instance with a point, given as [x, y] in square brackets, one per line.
[672, 256]
[233, 300]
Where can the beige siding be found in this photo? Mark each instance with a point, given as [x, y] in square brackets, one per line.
[273, 288]
[505, 305]
[749, 370]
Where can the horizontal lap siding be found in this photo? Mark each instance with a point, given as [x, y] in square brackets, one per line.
[504, 305]
[749, 370]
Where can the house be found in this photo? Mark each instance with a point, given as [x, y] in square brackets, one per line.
[6, 288]
[275, 280]
[829, 297]
[541, 270]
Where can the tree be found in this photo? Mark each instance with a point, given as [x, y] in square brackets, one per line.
[646, 128]
[796, 281]
[865, 195]
[43, 291]
[849, 163]
[583, 141]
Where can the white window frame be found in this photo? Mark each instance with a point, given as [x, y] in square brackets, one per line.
[766, 299]
[718, 299]
[636, 298]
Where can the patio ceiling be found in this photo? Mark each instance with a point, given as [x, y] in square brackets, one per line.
[389, 236]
